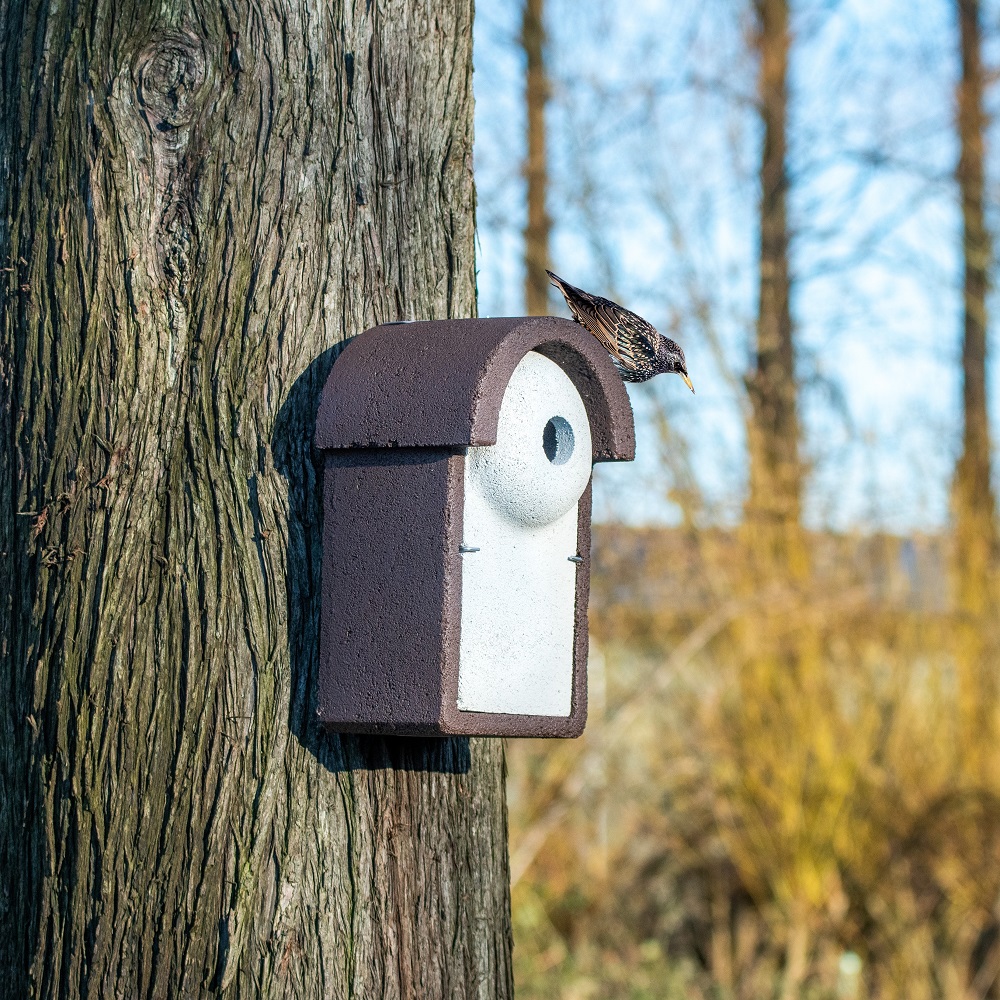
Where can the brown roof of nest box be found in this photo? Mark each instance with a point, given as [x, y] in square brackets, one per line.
[440, 384]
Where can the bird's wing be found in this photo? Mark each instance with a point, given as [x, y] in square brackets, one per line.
[588, 312]
[630, 332]
[622, 332]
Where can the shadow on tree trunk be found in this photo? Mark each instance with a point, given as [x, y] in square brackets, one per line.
[301, 465]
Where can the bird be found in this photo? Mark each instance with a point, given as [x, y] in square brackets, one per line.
[639, 351]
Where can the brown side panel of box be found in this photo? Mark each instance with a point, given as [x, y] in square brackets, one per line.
[456, 722]
[389, 556]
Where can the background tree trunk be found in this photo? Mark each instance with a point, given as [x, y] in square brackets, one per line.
[973, 502]
[775, 498]
[536, 167]
[198, 203]
[974, 505]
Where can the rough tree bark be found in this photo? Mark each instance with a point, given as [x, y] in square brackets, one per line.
[973, 500]
[775, 496]
[536, 167]
[198, 202]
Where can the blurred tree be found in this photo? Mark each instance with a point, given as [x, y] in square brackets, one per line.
[536, 171]
[973, 500]
[774, 503]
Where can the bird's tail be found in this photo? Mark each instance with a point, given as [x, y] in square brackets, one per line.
[570, 292]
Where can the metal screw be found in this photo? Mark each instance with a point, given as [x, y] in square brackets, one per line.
[576, 559]
[468, 548]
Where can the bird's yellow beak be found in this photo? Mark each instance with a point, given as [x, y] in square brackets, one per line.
[687, 381]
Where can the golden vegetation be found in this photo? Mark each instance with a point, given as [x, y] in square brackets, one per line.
[786, 792]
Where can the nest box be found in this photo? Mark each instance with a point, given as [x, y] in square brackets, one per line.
[456, 536]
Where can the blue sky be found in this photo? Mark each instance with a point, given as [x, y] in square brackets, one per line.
[653, 147]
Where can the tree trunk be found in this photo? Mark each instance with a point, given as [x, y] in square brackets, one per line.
[536, 170]
[198, 203]
[775, 497]
[972, 492]
[974, 506]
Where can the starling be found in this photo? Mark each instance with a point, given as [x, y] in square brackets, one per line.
[637, 349]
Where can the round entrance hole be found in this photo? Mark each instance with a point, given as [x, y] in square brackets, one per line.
[557, 440]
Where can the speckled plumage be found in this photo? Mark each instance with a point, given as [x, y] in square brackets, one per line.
[638, 350]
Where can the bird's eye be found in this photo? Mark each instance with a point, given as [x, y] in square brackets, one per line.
[557, 440]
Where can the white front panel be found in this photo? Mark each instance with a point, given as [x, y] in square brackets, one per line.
[519, 589]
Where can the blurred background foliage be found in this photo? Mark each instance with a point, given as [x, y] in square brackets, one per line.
[789, 785]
